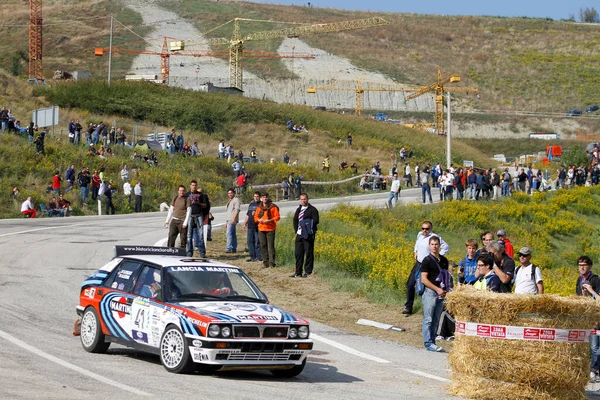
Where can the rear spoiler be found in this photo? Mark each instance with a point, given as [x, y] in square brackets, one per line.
[149, 250]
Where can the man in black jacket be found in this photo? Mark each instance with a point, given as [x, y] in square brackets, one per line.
[306, 220]
[195, 230]
[84, 180]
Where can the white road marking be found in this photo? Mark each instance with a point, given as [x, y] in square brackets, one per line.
[38, 229]
[426, 375]
[348, 350]
[70, 366]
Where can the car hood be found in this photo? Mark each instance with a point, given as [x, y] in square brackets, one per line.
[241, 312]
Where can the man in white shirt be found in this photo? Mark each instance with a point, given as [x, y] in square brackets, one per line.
[28, 209]
[528, 276]
[421, 251]
[394, 191]
[407, 175]
[127, 191]
[125, 173]
[222, 149]
[137, 191]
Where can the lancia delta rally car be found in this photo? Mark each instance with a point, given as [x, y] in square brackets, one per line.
[194, 313]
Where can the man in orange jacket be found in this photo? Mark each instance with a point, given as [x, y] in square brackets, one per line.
[266, 217]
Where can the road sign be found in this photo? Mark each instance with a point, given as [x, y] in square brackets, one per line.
[44, 117]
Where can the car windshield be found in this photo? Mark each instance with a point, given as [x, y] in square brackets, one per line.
[209, 283]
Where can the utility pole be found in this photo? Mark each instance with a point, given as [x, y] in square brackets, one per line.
[110, 48]
[448, 149]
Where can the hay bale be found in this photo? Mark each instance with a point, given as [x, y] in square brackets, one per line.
[486, 368]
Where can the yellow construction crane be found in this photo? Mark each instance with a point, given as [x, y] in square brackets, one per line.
[438, 88]
[236, 42]
[170, 48]
[360, 86]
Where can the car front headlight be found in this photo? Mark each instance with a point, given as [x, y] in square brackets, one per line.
[303, 332]
[293, 333]
[214, 330]
[225, 331]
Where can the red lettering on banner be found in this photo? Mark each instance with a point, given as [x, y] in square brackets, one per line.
[547, 334]
[576, 336]
[483, 330]
[498, 332]
[460, 329]
[531, 334]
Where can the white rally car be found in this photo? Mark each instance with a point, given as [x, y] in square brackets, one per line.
[194, 313]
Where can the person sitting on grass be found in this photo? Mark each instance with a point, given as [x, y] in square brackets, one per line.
[53, 208]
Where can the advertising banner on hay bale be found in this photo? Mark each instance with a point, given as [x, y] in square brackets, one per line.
[520, 346]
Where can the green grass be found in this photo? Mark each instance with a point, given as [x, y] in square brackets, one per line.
[212, 113]
[206, 118]
[368, 252]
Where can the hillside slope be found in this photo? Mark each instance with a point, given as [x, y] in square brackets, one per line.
[517, 63]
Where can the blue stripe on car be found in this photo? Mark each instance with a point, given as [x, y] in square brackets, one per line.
[91, 282]
[116, 331]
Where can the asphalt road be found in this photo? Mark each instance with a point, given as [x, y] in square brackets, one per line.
[43, 264]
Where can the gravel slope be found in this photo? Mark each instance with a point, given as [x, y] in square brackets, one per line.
[190, 72]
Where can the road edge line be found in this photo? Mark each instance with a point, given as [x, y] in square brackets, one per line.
[70, 366]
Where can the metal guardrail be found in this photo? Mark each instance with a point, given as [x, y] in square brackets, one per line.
[280, 185]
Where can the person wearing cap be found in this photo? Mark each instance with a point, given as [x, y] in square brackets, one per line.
[508, 247]
[266, 217]
[528, 276]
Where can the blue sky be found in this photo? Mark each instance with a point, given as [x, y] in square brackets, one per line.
[508, 8]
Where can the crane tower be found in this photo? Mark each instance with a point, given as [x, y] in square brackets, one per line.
[35, 40]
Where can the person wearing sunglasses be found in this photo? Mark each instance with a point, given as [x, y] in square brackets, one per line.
[528, 276]
[421, 251]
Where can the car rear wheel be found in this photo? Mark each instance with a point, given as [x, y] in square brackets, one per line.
[289, 373]
[174, 352]
[92, 338]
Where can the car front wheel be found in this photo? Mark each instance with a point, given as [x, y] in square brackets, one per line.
[174, 352]
[92, 338]
[289, 373]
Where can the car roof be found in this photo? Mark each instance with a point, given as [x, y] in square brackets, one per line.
[178, 261]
